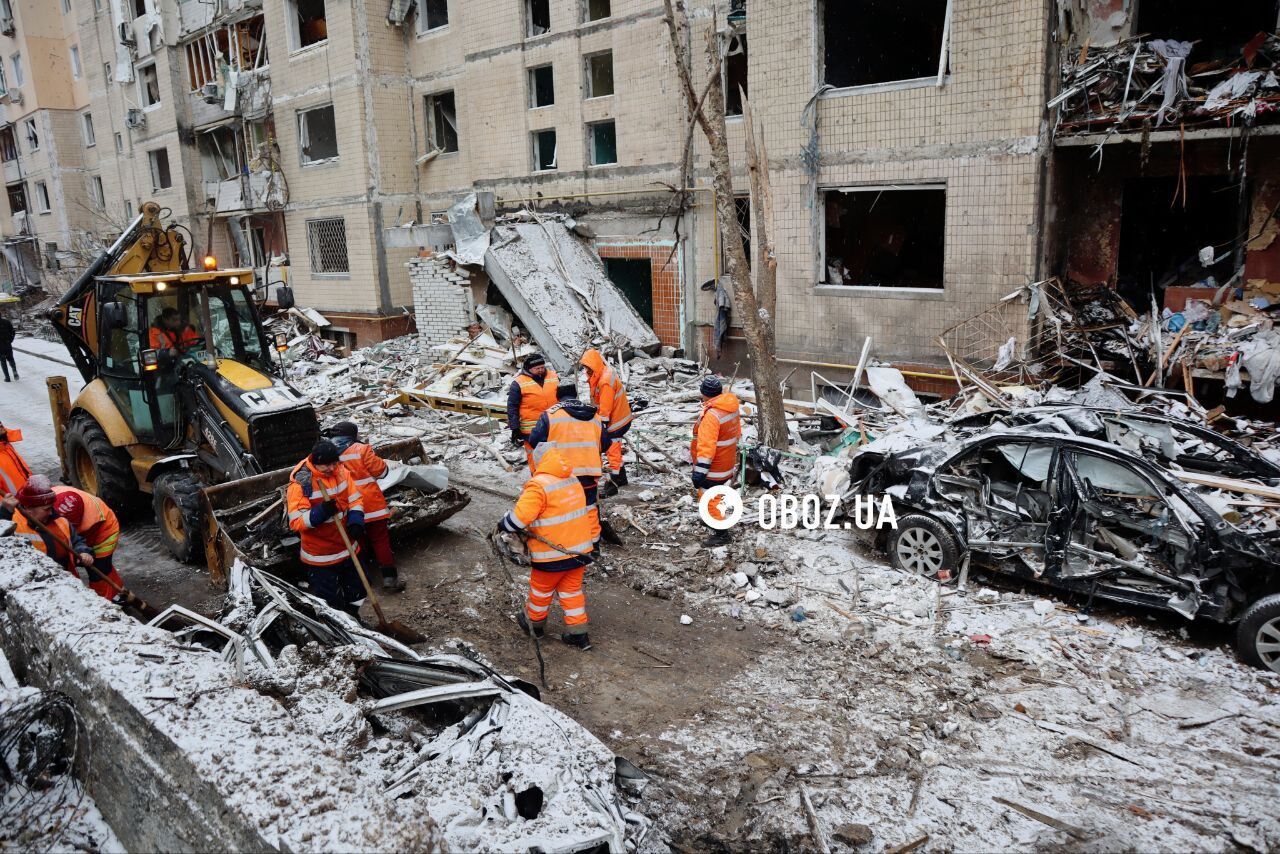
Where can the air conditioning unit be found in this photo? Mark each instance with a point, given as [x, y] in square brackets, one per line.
[135, 118]
[6, 26]
[20, 222]
[209, 92]
[15, 97]
[126, 35]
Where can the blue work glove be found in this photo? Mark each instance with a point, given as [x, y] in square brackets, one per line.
[321, 513]
[355, 530]
[700, 479]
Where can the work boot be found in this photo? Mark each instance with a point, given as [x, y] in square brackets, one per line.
[538, 631]
[717, 538]
[581, 641]
[608, 489]
[391, 582]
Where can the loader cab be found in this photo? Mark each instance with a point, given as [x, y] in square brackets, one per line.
[216, 322]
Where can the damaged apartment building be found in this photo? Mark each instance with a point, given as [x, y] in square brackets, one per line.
[925, 160]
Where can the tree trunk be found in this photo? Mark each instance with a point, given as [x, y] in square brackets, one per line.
[757, 322]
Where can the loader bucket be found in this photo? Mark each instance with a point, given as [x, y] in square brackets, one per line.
[247, 519]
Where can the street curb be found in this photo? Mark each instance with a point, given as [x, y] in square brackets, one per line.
[18, 349]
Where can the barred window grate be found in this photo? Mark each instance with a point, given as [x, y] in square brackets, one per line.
[327, 240]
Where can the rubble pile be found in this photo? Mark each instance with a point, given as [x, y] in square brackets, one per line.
[473, 752]
[1138, 83]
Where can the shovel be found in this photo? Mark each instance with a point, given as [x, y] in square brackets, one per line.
[394, 628]
[148, 612]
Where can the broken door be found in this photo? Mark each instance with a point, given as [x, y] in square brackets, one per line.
[634, 277]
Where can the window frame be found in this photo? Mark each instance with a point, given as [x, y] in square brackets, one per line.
[73, 57]
[304, 136]
[588, 93]
[531, 78]
[97, 192]
[528, 20]
[826, 287]
[942, 77]
[536, 147]
[44, 204]
[153, 165]
[19, 74]
[295, 33]
[311, 248]
[423, 29]
[586, 12]
[139, 73]
[591, 143]
[31, 132]
[429, 103]
[87, 132]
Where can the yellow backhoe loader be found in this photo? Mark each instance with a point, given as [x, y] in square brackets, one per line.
[181, 392]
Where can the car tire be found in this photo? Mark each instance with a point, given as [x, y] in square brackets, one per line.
[1258, 634]
[923, 546]
[97, 467]
[179, 515]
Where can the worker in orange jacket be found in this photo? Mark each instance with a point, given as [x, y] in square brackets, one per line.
[366, 467]
[552, 513]
[36, 499]
[714, 449]
[95, 522]
[331, 571]
[13, 469]
[572, 428]
[532, 393]
[612, 407]
[170, 332]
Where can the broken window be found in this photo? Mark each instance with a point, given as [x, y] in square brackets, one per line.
[309, 25]
[33, 137]
[889, 237]
[600, 74]
[75, 62]
[219, 152]
[8, 144]
[442, 122]
[42, 198]
[542, 90]
[317, 135]
[597, 9]
[149, 85]
[241, 46]
[735, 75]
[17, 198]
[435, 14]
[119, 142]
[160, 177]
[19, 76]
[881, 41]
[538, 17]
[602, 141]
[544, 150]
[106, 73]
[327, 244]
[139, 8]
[1219, 30]
[86, 127]
[742, 208]
[96, 193]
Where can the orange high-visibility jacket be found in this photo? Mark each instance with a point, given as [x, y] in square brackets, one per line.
[163, 339]
[553, 506]
[13, 469]
[535, 399]
[366, 467]
[715, 438]
[322, 545]
[607, 393]
[60, 528]
[578, 442]
[98, 526]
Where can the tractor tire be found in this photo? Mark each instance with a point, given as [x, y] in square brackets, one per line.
[97, 467]
[179, 515]
[1258, 635]
[924, 546]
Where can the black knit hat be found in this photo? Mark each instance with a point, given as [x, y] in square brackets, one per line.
[533, 360]
[324, 452]
[711, 386]
[345, 428]
[567, 389]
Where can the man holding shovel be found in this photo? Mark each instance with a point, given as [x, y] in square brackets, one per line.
[322, 495]
[37, 523]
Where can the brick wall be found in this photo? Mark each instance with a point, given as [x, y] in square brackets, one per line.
[441, 298]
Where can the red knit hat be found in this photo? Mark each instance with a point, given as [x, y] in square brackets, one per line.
[69, 506]
[35, 494]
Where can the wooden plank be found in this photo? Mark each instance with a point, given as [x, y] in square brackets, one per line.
[1228, 484]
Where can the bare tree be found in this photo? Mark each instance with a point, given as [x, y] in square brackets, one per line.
[755, 315]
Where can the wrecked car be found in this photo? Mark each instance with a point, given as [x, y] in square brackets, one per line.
[1082, 515]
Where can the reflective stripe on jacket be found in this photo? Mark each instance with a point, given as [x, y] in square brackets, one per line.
[322, 545]
[99, 525]
[554, 507]
[535, 399]
[13, 469]
[366, 467]
[715, 438]
[608, 394]
[578, 442]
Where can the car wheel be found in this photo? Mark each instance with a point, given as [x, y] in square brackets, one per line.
[1258, 635]
[924, 546]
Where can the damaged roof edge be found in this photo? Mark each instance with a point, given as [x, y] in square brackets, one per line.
[552, 350]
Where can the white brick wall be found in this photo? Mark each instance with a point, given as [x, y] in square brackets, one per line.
[441, 298]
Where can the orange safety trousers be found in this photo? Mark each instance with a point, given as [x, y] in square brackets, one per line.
[614, 456]
[567, 585]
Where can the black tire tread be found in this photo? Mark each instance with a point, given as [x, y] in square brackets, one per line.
[116, 483]
[185, 491]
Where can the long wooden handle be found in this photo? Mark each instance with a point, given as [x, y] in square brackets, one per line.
[44, 529]
[346, 541]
